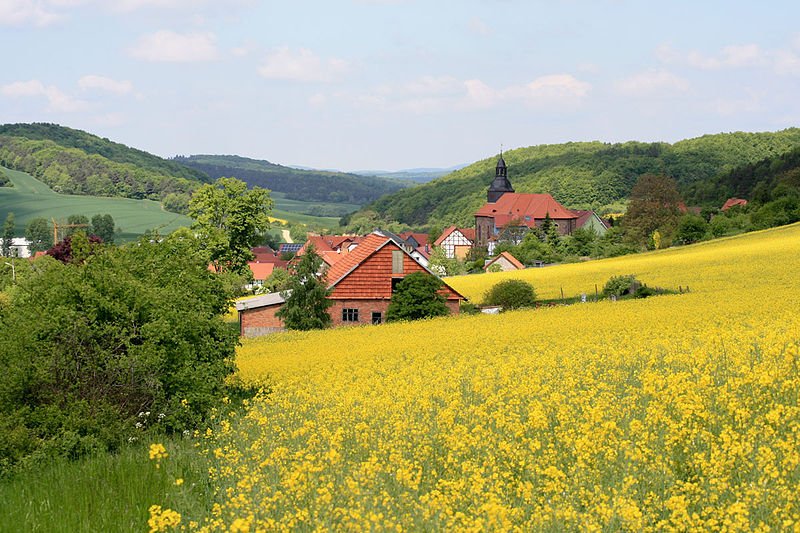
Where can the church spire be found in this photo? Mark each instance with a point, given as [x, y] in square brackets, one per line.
[500, 185]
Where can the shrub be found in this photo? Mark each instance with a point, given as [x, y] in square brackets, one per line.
[511, 294]
[135, 329]
[621, 285]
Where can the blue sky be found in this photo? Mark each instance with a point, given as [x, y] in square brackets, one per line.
[389, 84]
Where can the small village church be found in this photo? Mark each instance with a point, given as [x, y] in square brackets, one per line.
[506, 209]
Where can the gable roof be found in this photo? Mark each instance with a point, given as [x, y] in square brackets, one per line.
[527, 208]
[510, 258]
[468, 233]
[421, 238]
[733, 202]
[584, 217]
[371, 244]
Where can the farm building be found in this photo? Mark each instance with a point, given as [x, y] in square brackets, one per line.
[362, 282]
[505, 262]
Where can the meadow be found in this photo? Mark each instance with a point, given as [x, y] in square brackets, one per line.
[30, 198]
[673, 413]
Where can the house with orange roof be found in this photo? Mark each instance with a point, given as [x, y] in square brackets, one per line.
[361, 282]
[330, 248]
[456, 242]
[590, 220]
[505, 262]
[506, 210]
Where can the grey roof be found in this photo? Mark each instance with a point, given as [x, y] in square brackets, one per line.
[501, 163]
[272, 298]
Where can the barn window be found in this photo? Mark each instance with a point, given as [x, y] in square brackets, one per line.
[377, 317]
[397, 261]
[349, 315]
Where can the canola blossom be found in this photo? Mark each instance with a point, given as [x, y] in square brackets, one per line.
[672, 413]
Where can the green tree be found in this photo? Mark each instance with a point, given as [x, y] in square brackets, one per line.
[691, 228]
[9, 229]
[445, 266]
[39, 233]
[306, 295]
[417, 296]
[230, 220]
[655, 204]
[103, 226]
[511, 294]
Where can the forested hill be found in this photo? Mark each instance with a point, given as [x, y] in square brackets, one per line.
[92, 144]
[583, 174]
[758, 181]
[306, 185]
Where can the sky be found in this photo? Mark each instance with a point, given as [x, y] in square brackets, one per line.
[394, 84]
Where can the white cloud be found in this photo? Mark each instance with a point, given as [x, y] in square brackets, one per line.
[57, 100]
[436, 94]
[734, 56]
[172, 47]
[102, 83]
[26, 13]
[562, 90]
[301, 65]
[652, 82]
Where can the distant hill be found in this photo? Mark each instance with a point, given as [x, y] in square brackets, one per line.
[592, 175]
[417, 175]
[78, 163]
[296, 184]
[92, 144]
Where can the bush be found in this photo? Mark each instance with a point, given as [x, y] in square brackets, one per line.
[511, 294]
[135, 329]
[621, 285]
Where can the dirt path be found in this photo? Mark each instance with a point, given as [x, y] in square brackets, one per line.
[285, 235]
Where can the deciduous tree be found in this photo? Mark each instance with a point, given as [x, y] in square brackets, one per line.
[9, 228]
[39, 234]
[655, 204]
[230, 219]
[417, 296]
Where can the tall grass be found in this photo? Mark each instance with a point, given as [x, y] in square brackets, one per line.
[108, 493]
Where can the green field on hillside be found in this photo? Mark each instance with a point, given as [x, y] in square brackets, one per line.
[30, 198]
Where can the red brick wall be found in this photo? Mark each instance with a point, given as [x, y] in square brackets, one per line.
[365, 310]
[255, 322]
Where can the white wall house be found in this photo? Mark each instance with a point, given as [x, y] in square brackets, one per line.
[20, 247]
[456, 242]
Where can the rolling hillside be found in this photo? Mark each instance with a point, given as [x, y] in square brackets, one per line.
[582, 175]
[296, 184]
[30, 198]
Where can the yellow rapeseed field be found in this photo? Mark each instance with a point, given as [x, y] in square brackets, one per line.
[674, 413]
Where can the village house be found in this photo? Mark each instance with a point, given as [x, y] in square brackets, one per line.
[456, 242]
[506, 210]
[362, 282]
[504, 262]
[590, 220]
[733, 202]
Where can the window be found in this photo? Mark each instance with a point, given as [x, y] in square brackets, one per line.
[349, 315]
[377, 317]
[395, 281]
[397, 261]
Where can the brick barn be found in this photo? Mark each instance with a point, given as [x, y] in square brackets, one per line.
[362, 283]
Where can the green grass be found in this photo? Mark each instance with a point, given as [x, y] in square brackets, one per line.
[30, 198]
[109, 492]
[316, 209]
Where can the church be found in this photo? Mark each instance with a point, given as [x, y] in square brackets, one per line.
[506, 210]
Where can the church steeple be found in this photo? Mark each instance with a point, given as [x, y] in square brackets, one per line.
[500, 185]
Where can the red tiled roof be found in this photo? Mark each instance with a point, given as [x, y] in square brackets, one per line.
[421, 238]
[261, 271]
[733, 202]
[527, 208]
[369, 245]
[469, 233]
